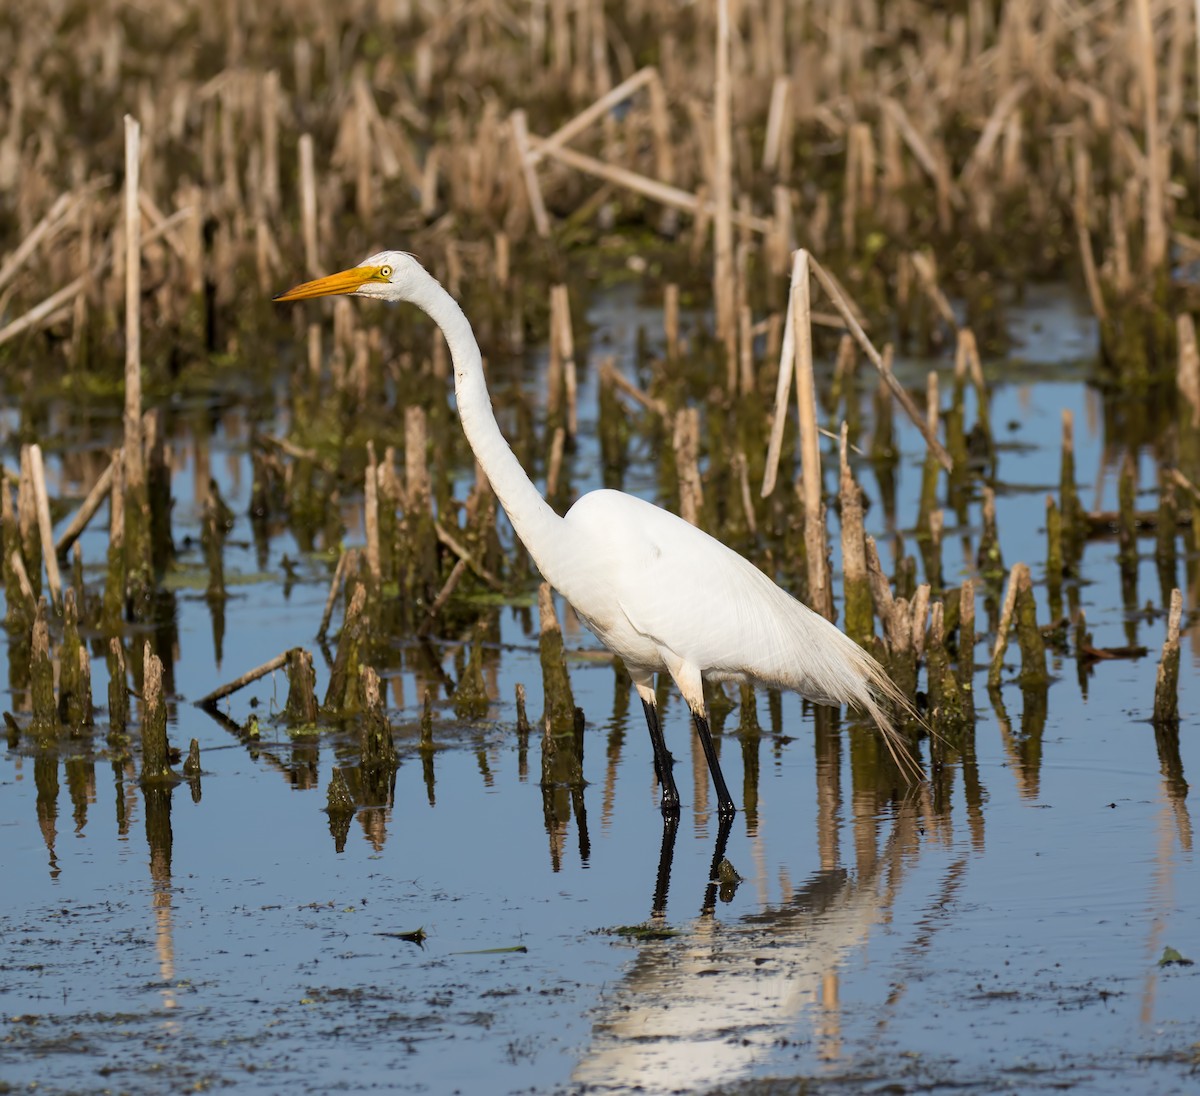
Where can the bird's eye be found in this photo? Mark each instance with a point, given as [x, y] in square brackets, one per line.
[385, 271]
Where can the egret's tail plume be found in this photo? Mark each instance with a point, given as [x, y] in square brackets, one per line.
[879, 685]
[845, 673]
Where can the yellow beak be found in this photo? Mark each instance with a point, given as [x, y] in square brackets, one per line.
[345, 281]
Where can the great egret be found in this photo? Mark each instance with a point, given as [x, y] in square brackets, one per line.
[657, 591]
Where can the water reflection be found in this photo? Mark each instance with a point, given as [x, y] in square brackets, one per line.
[710, 1003]
[706, 1003]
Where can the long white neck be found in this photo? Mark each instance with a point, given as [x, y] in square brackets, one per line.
[538, 526]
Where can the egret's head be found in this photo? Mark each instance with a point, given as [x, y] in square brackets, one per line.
[387, 276]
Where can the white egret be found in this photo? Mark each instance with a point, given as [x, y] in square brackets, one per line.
[659, 592]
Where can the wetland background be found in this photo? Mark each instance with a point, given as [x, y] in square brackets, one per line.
[423, 852]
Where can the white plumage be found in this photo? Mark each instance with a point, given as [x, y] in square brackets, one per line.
[660, 593]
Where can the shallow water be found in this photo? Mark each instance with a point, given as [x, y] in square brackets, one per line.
[998, 929]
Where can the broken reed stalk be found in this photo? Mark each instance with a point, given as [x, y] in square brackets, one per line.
[118, 691]
[558, 445]
[222, 691]
[55, 218]
[724, 286]
[966, 648]
[1155, 255]
[570, 372]
[1166, 687]
[113, 610]
[346, 561]
[838, 299]
[820, 589]
[686, 443]
[27, 521]
[371, 516]
[23, 584]
[340, 695]
[1020, 609]
[50, 308]
[1029, 635]
[882, 365]
[156, 765]
[667, 195]
[1187, 375]
[596, 111]
[42, 500]
[455, 545]
[671, 321]
[443, 596]
[135, 469]
[308, 204]
[528, 157]
[87, 510]
[1054, 558]
[657, 406]
[1006, 616]
[419, 572]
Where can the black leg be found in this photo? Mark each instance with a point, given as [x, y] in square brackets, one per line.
[663, 761]
[725, 807]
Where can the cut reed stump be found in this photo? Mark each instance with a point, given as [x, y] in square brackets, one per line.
[559, 714]
[301, 707]
[1020, 610]
[41, 677]
[113, 611]
[859, 611]
[75, 674]
[419, 545]
[1054, 559]
[118, 691]
[946, 709]
[342, 694]
[156, 765]
[1166, 687]
[966, 649]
